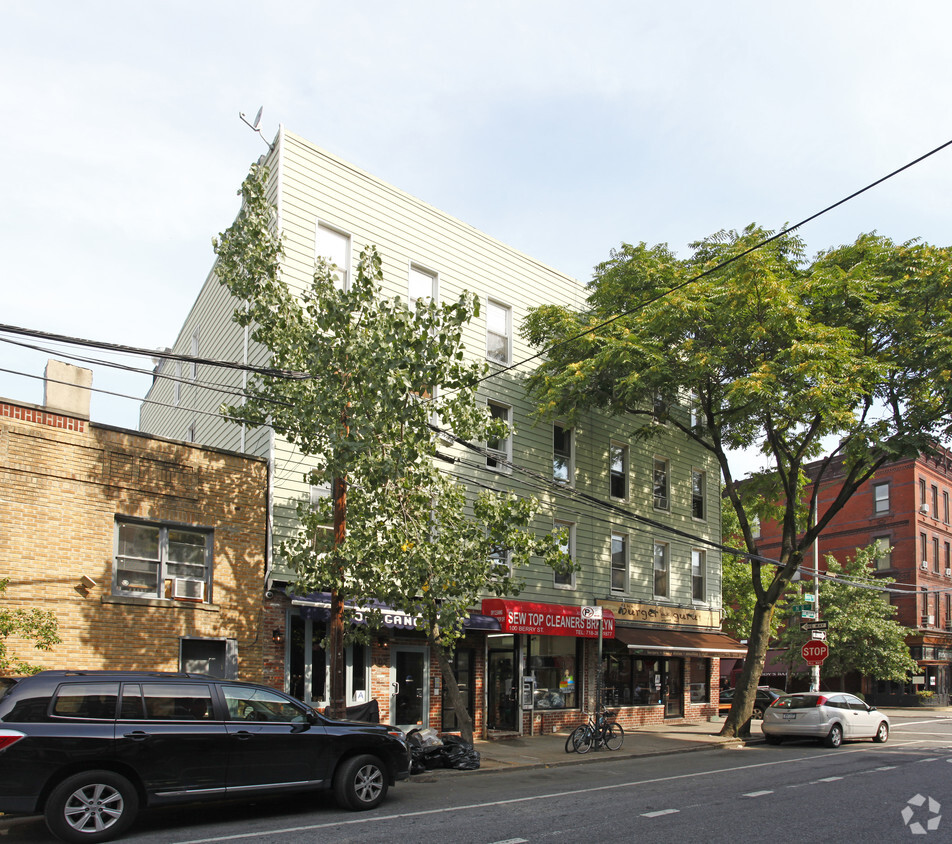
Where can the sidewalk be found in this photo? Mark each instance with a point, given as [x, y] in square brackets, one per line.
[657, 740]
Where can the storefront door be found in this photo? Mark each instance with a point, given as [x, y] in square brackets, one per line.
[464, 665]
[409, 684]
[673, 670]
[502, 709]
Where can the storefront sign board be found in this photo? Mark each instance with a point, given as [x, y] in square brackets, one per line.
[546, 619]
[630, 611]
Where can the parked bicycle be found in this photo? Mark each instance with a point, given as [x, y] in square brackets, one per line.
[600, 731]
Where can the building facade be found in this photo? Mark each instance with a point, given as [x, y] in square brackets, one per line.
[618, 498]
[150, 552]
[904, 510]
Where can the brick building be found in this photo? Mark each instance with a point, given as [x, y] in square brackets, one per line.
[905, 511]
[149, 551]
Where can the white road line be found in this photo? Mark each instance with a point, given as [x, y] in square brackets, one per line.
[659, 813]
[828, 779]
[757, 794]
[273, 833]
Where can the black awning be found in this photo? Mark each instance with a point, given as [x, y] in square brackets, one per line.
[678, 642]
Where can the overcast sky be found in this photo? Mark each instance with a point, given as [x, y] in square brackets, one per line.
[562, 129]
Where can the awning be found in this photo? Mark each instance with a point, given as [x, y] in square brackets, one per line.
[317, 606]
[706, 643]
[547, 619]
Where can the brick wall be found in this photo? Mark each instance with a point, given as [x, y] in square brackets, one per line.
[63, 481]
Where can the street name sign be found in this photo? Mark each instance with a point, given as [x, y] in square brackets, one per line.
[807, 613]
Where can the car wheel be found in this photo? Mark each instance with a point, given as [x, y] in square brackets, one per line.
[835, 737]
[882, 733]
[771, 739]
[758, 713]
[91, 806]
[360, 783]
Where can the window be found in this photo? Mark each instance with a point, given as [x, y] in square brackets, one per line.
[695, 419]
[619, 562]
[923, 549]
[252, 704]
[698, 488]
[567, 546]
[562, 453]
[880, 498]
[86, 700]
[173, 701]
[334, 247]
[945, 506]
[421, 285]
[935, 554]
[193, 370]
[948, 611]
[618, 470]
[922, 491]
[700, 679]
[948, 559]
[498, 329]
[934, 497]
[660, 484]
[162, 561]
[553, 662]
[499, 448]
[661, 570]
[883, 552]
[698, 560]
[214, 657]
[755, 527]
[501, 561]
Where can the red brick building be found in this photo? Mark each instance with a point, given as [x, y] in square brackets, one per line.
[149, 551]
[905, 510]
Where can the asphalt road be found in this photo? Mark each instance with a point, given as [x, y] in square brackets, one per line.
[797, 791]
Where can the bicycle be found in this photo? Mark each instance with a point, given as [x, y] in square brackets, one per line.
[601, 730]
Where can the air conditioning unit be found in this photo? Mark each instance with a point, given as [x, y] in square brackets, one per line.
[948, 572]
[924, 565]
[948, 624]
[188, 590]
[924, 509]
[928, 621]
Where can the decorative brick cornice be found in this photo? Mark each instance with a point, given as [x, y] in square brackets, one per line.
[40, 416]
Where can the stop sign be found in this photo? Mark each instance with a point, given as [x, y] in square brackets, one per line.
[815, 652]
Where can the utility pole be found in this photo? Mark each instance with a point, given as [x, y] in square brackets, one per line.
[815, 669]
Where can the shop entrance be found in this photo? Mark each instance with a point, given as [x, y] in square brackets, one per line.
[501, 701]
[409, 684]
[673, 671]
[464, 666]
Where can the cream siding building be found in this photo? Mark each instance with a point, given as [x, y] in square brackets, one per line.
[330, 208]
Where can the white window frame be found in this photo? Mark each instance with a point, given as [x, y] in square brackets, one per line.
[342, 278]
[883, 552]
[499, 458]
[162, 563]
[698, 575]
[666, 465]
[419, 271]
[503, 560]
[569, 458]
[568, 547]
[878, 499]
[613, 448]
[665, 558]
[492, 334]
[623, 539]
[695, 474]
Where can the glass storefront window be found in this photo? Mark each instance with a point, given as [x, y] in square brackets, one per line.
[700, 680]
[553, 661]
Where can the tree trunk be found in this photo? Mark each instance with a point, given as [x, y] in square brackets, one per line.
[451, 687]
[738, 719]
[337, 702]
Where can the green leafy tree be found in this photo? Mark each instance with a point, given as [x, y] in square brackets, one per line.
[362, 407]
[38, 627]
[853, 348]
[863, 634]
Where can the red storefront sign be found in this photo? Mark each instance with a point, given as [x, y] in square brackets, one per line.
[546, 619]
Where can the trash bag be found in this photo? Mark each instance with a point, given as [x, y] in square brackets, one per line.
[428, 751]
[459, 754]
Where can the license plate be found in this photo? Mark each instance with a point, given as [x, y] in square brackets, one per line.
[789, 716]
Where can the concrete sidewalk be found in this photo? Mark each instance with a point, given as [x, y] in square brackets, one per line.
[656, 740]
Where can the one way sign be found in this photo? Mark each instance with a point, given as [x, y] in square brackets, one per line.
[806, 626]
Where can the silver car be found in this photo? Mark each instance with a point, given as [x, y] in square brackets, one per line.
[829, 716]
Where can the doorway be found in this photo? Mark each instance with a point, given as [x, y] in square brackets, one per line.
[409, 687]
[464, 666]
[673, 671]
[501, 684]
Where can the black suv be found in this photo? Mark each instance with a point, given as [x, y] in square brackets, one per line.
[88, 748]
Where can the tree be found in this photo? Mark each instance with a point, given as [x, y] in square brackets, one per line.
[863, 634]
[38, 627]
[853, 348]
[366, 386]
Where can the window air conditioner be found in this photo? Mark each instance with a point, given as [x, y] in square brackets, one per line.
[948, 624]
[924, 565]
[928, 621]
[188, 590]
[948, 572]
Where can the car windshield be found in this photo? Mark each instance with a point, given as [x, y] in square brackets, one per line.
[796, 702]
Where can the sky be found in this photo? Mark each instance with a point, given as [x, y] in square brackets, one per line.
[559, 128]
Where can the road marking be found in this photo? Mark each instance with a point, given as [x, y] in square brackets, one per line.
[828, 779]
[659, 813]
[757, 794]
[513, 841]
[558, 795]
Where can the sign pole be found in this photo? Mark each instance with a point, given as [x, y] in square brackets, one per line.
[815, 669]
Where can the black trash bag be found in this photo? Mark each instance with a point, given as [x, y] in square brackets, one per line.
[426, 750]
[459, 754]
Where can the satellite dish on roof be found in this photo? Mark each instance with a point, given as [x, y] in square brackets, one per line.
[256, 125]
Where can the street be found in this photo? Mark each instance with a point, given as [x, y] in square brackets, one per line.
[797, 791]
